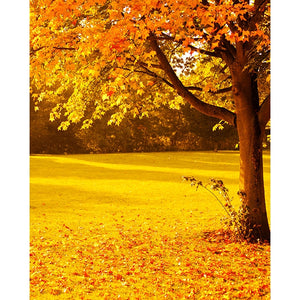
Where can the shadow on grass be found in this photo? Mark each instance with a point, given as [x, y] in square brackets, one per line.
[60, 167]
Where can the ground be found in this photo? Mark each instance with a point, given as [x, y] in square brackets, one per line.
[125, 226]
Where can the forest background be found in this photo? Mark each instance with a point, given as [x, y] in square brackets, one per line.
[15, 150]
[183, 129]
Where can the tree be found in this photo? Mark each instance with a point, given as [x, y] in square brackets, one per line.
[138, 55]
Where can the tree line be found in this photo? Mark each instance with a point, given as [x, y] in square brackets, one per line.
[167, 129]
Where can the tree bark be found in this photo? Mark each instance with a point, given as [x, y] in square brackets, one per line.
[250, 131]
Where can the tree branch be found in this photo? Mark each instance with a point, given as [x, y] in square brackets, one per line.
[208, 109]
[149, 73]
[144, 65]
[165, 36]
[65, 48]
[153, 74]
[220, 91]
[33, 51]
[264, 113]
[259, 6]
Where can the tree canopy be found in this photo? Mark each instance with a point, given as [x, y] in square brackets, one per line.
[88, 57]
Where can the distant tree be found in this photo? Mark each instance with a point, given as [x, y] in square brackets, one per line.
[138, 55]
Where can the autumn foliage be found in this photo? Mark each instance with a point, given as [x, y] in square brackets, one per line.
[102, 54]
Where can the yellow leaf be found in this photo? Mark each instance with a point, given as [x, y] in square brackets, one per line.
[105, 97]
[140, 92]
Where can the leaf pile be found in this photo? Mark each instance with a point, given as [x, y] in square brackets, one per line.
[139, 257]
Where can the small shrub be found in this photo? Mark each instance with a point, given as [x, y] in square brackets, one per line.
[235, 221]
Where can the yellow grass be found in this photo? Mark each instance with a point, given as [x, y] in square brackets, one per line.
[125, 226]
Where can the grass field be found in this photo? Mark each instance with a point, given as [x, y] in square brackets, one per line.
[125, 226]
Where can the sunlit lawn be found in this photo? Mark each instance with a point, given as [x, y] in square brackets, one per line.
[125, 226]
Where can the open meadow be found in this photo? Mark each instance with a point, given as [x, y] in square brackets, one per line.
[126, 226]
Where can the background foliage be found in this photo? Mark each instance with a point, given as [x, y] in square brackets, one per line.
[165, 130]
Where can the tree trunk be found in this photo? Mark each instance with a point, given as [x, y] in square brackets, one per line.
[250, 119]
[250, 133]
